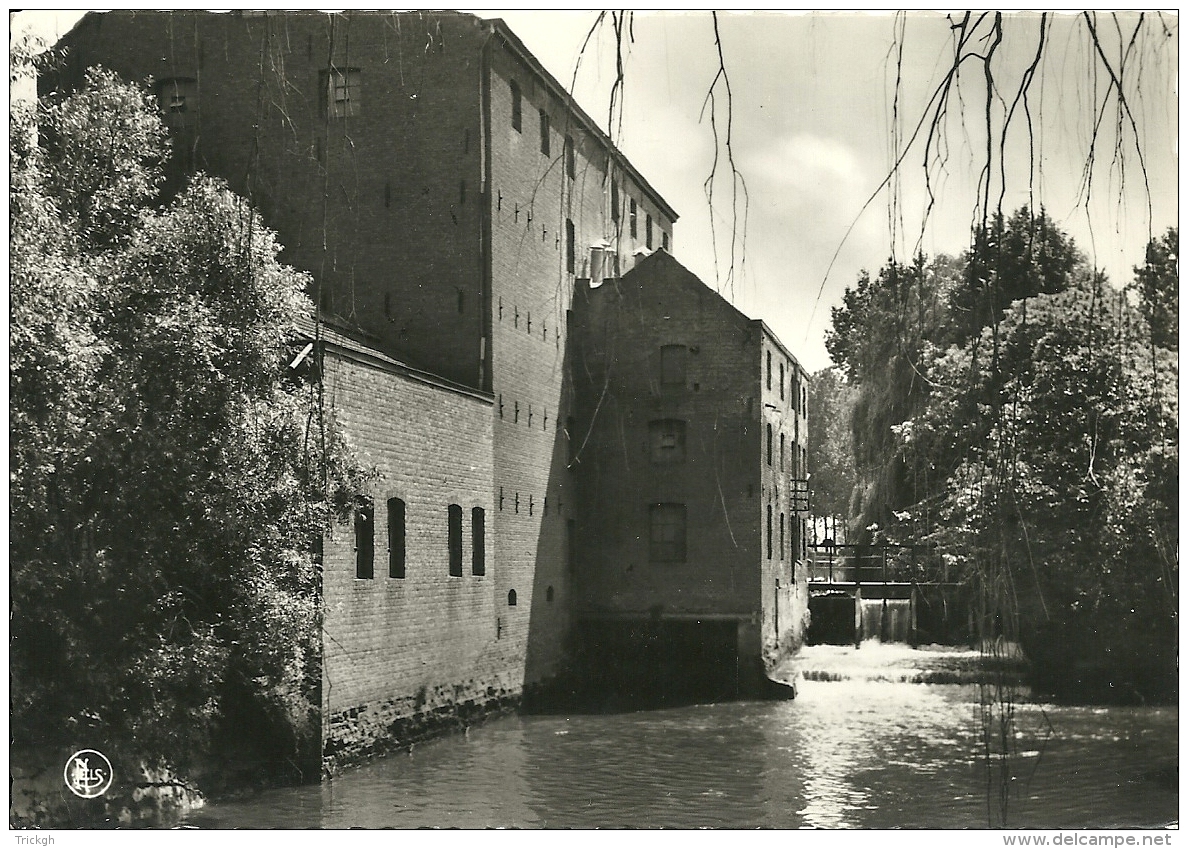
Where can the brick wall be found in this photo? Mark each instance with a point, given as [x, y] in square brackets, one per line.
[724, 480]
[537, 202]
[623, 326]
[404, 654]
[384, 206]
[785, 593]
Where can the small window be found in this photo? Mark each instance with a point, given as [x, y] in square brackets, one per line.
[570, 159]
[178, 99]
[648, 232]
[794, 552]
[664, 240]
[667, 440]
[549, 594]
[511, 598]
[781, 381]
[769, 369]
[614, 201]
[781, 452]
[769, 443]
[455, 514]
[343, 89]
[478, 541]
[570, 252]
[364, 537]
[667, 537]
[544, 132]
[781, 536]
[517, 117]
[673, 360]
[769, 532]
[396, 538]
[634, 223]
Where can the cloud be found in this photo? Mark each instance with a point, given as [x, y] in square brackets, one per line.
[807, 163]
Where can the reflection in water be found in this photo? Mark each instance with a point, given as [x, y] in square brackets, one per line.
[865, 753]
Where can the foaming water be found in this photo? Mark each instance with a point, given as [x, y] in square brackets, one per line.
[867, 751]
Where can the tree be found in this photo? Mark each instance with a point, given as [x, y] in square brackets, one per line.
[1062, 508]
[166, 483]
[830, 443]
[1156, 288]
[881, 336]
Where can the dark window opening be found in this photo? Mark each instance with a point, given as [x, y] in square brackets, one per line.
[673, 361]
[781, 536]
[570, 252]
[570, 159]
[364, 537]
[511, 598]
[667, 439]
[648, 232]
[781, 381]
[769, 369]
[664, 240]
[614, 201]
[178, 100]
[544, 132]
[455, 525]
[396, 538]
[769, 532]
[781, 452]
[478, 541]
[516, 113]
[549, 594]
[769, 443]
[342, 89]
[666, 543]
[632, 219]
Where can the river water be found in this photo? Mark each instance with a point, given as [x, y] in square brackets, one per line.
[866, 749]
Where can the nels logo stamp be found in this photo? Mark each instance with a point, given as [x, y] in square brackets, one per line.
[88, 773]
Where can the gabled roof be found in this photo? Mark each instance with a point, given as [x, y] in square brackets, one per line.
[662, 262]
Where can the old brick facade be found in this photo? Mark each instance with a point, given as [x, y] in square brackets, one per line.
[446, 195]
[687, 512]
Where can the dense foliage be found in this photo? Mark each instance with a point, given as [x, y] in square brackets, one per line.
[166, 483]
[1020, 414]
[830, 443]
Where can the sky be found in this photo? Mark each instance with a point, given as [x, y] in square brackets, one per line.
[814, 123]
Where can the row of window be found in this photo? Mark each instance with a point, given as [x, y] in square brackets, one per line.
[797, 550]
[397, 538]
[633, 219]
[799, 452]
[796, 388]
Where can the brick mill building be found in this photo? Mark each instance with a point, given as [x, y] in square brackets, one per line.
[449, 199]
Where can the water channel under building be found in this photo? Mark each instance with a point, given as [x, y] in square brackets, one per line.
[867, 743]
